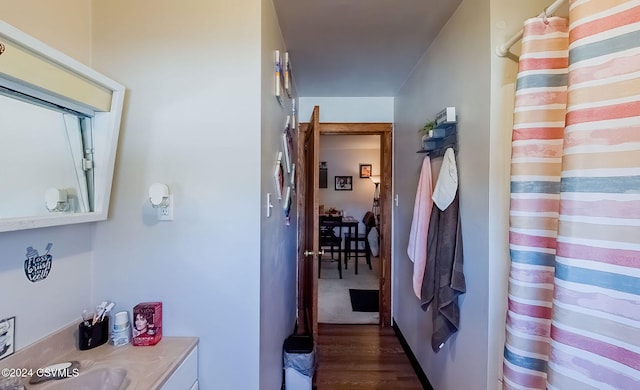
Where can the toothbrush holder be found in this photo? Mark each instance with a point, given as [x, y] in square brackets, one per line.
[93, 335]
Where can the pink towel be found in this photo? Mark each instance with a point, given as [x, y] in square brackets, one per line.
[417, 248]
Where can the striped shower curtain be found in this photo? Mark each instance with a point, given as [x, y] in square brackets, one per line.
[573, 320]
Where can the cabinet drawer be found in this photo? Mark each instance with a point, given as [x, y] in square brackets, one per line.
[185, 376]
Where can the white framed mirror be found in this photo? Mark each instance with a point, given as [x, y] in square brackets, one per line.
[59, 126]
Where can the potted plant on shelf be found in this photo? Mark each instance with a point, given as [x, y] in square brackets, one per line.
[425, 131]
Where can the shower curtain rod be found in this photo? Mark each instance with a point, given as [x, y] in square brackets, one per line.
[503, 49]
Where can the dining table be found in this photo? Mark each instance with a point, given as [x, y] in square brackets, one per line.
[351, 225]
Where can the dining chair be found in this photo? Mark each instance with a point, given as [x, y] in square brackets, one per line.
[328, 238]
[355, 244]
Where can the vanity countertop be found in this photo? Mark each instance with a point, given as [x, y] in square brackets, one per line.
[148, 368]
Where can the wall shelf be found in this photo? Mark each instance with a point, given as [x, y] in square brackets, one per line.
[443, 135]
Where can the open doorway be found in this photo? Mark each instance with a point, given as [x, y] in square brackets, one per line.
[309, 269]
[349, 271]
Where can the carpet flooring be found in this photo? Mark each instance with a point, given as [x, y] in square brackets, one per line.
[334, 302]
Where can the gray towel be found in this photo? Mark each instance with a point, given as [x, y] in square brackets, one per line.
[444, 278]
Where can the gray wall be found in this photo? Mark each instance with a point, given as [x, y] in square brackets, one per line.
[453, 72]
[278, 242]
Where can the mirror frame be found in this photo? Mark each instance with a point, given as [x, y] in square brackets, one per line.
[106, 128]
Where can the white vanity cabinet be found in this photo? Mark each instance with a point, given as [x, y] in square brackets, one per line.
[172, 364]
[186, 375]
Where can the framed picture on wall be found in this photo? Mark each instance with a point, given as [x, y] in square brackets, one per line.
[287, 145]
[278, 77]
[323, 174]
[294, 126]
[7, 337]
[292, 177]
[287, 74]
[344, 183]
[287, 207]
[278, 176]
[365, 171]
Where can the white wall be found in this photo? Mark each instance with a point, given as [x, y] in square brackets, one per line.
[343, 157]
[192, 121]
[45, 306]
[278, 264]
[62, 24]
[453, 72]
[66, 26]
[348, 109]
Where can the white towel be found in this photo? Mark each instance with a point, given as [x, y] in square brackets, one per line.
[417, 248]
[447, 182]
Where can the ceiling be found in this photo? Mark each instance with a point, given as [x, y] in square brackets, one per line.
[354, 48]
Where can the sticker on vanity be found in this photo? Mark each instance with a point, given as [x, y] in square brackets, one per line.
[37, 266]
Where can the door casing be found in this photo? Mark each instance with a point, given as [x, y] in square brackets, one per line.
[384, 130]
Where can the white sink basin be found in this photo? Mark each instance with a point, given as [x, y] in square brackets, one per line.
[93, 379]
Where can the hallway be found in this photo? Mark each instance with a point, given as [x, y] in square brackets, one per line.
[362, 357]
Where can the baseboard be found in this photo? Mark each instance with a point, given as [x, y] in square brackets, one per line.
[412, 358]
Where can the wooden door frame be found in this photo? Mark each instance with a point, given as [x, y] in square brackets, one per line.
[385, 131]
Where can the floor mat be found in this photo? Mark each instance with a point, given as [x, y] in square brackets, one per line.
[364, 300]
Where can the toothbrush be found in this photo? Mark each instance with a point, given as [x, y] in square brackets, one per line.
[99, 312]
[107, 310]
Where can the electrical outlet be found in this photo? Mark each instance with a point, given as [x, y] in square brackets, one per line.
[166, 213]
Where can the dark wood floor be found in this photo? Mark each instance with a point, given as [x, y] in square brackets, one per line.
[359, 357]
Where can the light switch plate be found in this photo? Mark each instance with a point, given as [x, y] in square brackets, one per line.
[269, 205]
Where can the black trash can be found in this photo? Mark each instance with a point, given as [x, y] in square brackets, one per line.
[299, 362]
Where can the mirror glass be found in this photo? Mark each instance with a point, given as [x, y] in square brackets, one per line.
[43, 148]
[59, 126]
